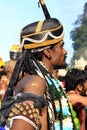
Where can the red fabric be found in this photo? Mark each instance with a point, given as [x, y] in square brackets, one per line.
[80, 109]
[82, 117]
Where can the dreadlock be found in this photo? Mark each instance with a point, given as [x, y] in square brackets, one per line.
[28, 65]
[24, 65]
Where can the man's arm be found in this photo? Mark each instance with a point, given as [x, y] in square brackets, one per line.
[36, 85]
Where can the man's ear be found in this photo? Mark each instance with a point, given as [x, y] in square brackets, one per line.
[79, 88]
[47, 53]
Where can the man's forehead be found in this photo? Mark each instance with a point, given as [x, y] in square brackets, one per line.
[60, 43]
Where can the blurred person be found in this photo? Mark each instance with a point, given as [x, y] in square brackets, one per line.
[14, 54]
[9, 67]
[2, 65]
[76, 81]
[76, 87]
[2, 68]
[3, 84]
[3, 77]
[3, 88]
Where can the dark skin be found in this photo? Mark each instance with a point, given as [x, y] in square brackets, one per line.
[31, 85]
[37, 85]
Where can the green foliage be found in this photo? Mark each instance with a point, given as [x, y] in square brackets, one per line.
[79, 37]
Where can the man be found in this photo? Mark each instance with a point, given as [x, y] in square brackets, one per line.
[43, 51]
[39, 103]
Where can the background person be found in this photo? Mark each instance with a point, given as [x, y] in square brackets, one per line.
[76, 87]
[9, 67]
[3, 84]
[2, 64]
[14, 54]
[3, 88]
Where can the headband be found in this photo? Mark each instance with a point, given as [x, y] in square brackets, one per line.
[42, 33]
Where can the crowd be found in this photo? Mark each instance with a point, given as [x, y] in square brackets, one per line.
[33, 95]
[6, 69]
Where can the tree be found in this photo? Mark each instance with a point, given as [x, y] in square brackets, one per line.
[79, 36]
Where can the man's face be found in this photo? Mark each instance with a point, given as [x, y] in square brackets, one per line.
[4, 79]
[58, 56]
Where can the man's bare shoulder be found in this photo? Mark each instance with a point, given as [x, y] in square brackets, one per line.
[32, 83]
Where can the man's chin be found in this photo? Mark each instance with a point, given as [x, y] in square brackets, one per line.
[63, 66]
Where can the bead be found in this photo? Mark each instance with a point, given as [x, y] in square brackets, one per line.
[24, 113]
[16, 112]
[33, 110]
[37, 121]
[27, 107]
[8, 119]
[37, 110]
[32, 106]
[14, 109]
[11, 114]
[21, 109]
[35, 115]
[31, 116]
[24, 104]
[17, 105]
[29, 111]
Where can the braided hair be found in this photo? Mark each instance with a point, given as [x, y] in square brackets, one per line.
[24, 65]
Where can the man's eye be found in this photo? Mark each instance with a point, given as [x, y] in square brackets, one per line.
[62, 46]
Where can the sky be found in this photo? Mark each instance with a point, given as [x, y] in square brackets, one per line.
[15, 14]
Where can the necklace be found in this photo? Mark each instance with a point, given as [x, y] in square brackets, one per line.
[65, 116]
